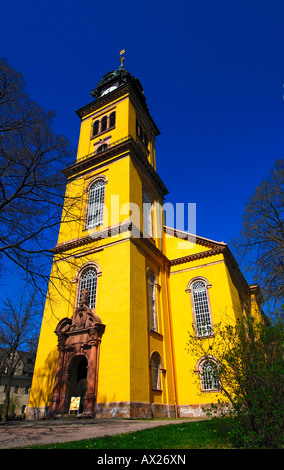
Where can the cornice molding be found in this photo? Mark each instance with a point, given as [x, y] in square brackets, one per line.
[118, 151]
[129, 89]
[86, 240]
[101, 102]
[196, 256]
[192, 238]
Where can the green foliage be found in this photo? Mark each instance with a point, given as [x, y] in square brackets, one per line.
[250, 371]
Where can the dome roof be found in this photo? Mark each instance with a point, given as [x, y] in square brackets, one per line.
[109, 77]
[116, 79]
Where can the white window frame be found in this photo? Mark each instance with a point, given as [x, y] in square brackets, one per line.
[147, 213]
[201, 307]
[152, 300]
[95, 209]
[208, 379]
[155, 369]
[89, 282]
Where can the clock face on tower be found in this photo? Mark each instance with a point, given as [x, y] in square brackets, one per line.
[108, 90]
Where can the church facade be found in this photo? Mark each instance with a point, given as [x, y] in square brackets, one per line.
[125, 289]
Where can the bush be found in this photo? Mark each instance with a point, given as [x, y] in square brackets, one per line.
[250, 371]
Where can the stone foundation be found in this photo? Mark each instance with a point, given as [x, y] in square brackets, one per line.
[193, 411]
[134, 410]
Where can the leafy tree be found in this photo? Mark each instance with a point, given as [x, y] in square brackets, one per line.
[247, 361]
[261, 241]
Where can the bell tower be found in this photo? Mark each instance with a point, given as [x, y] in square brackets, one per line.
[109, 241]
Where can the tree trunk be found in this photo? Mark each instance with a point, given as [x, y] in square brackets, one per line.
[7, 401]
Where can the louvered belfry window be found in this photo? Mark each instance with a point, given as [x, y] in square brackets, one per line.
[96, 204]
[201, 309]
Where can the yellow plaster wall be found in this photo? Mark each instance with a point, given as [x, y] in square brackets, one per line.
[176, 247]
[139, 353]
[117, 186]
[113, 309]
[86, 143]
[222, 310]
[59, 304]
[143, 341]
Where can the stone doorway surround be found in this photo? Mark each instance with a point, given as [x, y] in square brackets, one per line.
[77, 336]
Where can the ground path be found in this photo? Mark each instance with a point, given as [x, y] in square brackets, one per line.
[15, 434]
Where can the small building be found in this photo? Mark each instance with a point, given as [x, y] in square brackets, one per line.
[20, 384]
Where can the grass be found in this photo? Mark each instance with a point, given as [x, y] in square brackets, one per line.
[210, 434]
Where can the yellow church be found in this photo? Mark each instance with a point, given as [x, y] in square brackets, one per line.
[125, 289]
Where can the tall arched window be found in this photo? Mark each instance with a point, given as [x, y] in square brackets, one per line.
[95, 128]
[208, 376]
[88, 280]
[155, 369]
[104, 124]
[201, 308]
[112, 119]
[102, 148]
[152, 302]
[96, 204]
[147, 213]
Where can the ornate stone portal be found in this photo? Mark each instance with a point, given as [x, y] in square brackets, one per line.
[79, 341]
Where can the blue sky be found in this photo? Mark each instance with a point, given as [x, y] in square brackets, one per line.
[212, 73]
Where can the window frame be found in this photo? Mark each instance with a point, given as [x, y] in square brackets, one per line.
[199, 370]
[149, 214]
[104, 123]
[93, 291]
[97, 122]
[189, 289]
[109, 123]
[156, 380]
[101, 148]
[112, 120]
[87, 206]
[85, 267]
[153, 322]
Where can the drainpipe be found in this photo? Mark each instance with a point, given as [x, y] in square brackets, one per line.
[172, 341]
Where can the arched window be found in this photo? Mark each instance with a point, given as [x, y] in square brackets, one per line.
[201, 308]
[88, 280]
[208, 375]
[104, 124]
[96, 204]
[101, 148]
[112, 119]
[152, 302]
[95, 128]
[147, 213]
[155, 369]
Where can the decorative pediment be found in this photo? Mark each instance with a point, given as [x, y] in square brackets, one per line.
[83, 318]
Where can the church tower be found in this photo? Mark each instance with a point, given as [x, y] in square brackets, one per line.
[124, 289]
[108, 247]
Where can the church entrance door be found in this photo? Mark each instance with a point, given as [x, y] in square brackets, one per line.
[78, 378]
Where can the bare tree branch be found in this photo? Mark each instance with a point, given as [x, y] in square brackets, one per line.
[32, 185]
[261, 241]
